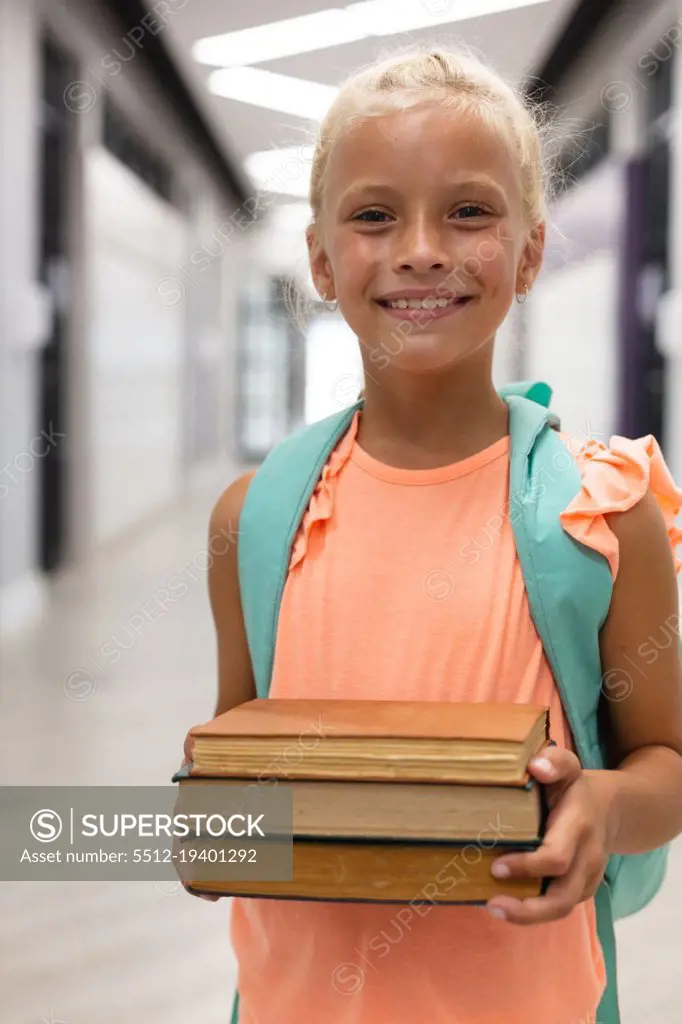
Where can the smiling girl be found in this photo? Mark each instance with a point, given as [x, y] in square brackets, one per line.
[428, 199]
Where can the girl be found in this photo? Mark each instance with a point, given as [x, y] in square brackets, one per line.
[429, 217]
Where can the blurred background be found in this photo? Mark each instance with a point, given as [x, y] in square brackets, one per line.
[154, 159]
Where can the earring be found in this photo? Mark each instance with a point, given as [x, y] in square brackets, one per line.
[331, 304]
[522, 297]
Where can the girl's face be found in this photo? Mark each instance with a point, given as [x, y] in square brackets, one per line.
[422, 238]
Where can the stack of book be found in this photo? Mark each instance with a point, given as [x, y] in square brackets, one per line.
[391, 799]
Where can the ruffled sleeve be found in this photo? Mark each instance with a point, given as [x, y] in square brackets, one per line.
[615, 478]
[321, 501]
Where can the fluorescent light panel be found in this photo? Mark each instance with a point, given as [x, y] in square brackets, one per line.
[283, 171]
[338, 25]
[274, 92]
[278, 39]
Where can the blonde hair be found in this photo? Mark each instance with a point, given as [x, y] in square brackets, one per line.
[457, 79]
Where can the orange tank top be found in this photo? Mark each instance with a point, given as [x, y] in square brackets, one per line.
[405, 585]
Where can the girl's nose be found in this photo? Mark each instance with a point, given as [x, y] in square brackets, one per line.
[421, 249]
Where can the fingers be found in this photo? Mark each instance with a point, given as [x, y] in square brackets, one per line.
[571, 853]
[559, 900]
[568, 829]
[556, 765]
[578, 884]
[545, 862]
[188, 748]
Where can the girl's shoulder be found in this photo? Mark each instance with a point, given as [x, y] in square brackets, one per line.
[224, 518]
[625, 485]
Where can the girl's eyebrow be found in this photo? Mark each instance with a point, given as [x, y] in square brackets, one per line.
[362, 188]
[475, 183]
[359, 189]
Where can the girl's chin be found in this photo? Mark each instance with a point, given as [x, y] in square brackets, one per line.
[427, 354]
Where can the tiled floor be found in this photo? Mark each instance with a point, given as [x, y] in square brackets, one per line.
[133, 953]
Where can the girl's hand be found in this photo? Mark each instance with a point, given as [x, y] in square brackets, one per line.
[574, 850]
[188, 753]
[188, 748]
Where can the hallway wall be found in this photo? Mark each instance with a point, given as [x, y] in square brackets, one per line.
[150, 299]
[135, 350]
[23, 312]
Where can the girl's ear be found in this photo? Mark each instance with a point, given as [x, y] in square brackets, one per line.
[320, 267]
[531, 258]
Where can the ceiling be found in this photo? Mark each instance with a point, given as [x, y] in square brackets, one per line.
[515, 41]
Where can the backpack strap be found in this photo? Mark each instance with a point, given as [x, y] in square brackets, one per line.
[275, 503]
[535, 390]
[568, 585]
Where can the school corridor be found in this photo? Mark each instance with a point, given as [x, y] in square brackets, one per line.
[160, 332]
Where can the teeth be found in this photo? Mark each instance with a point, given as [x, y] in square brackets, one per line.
[430, 302]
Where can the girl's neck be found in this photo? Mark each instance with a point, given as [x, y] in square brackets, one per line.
[422, 421]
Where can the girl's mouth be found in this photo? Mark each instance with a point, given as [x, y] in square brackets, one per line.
[424, 310]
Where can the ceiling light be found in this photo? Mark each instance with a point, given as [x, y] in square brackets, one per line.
[338, 25]
[283, 171]
[279, 39]
[274, 92]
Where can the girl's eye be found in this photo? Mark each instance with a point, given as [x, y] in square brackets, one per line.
[470, 210]
[372, 216]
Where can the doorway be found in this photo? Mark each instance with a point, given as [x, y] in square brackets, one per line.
[646, 268]
[56, 135]
[654, 281]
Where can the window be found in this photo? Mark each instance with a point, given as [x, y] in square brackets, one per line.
[270, 375]
[123, 141]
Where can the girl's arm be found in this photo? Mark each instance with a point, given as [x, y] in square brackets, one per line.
[642, 686]
[235, 675]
